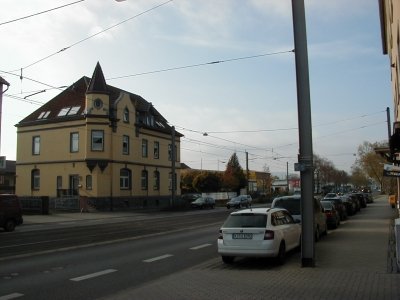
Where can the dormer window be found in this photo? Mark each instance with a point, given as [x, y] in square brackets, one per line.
[44, 114]
[67, 111]
[126, 115]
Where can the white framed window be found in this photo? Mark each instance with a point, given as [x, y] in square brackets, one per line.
[144, 148]
[156, 180]
[97, 140]
[35, 178]
[125, 144]
[156, 150]
[74, 142]
[126, 115]
[144, 180]
[125, 176]
[89, 182]
[36, 145]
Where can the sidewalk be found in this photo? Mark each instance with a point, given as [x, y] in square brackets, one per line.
[351, 263]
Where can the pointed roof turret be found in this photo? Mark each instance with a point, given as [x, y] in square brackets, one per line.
[97, 84]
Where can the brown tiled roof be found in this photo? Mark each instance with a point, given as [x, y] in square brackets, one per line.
[75, 96]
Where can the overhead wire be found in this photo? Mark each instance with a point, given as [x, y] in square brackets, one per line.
[200, 64]
[91, 36]
[39, 13]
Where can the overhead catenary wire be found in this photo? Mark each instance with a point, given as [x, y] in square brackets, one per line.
[200, 64]
[91, 36]
[39, 13]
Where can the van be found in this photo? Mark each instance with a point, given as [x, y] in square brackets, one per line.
[10, 212]
[292, 204]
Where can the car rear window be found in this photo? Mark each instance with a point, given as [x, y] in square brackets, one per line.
[291, 205]
[246, 220]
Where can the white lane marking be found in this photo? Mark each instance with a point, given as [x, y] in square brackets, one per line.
[200, 246]
[11, 296]
[97, 274]
[158, 258]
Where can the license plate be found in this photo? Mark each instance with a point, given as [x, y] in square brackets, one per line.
[242, 236]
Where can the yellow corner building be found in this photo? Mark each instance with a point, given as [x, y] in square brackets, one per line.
[97, 142]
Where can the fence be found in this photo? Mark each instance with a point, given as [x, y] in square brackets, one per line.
[44, 204]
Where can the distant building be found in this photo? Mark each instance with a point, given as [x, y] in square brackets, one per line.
[97, 141]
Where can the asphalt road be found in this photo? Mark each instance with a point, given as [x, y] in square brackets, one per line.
[87, 262]
[54, 237]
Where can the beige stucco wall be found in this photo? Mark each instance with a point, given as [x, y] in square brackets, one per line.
[391, 27]
[55, 158]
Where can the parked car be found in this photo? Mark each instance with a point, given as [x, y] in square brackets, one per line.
[361, 198]
[368, 197]
[356, 201]
[239, 202]
[203, 202]
[339, 205]
[350, 205]
[292, 204]
[332, 215]
[331, 195]
[189, 197]
[10, 212]
[258, 232]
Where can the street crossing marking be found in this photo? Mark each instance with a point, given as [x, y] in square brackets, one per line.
[158, 258]
[200, 246]
[97, 274]
[11, 296]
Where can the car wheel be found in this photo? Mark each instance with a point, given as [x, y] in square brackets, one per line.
[281, 254]
[9, 225]
[228, 207]
[228, 259]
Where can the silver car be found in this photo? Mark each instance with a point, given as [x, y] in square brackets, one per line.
[258, 232]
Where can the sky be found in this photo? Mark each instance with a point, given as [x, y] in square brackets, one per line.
[167, 52]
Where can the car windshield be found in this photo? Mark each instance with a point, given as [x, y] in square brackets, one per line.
[326, 204]
[246, 220]
[199, 200]
[291, 205]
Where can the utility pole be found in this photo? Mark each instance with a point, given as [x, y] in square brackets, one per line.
[247, 173]
[173, 157]
[287, 177]
[305, 163]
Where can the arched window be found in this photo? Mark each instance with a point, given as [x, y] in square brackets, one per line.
[144, 180]
[88, 182]
[156, 180]
[126, 115]
[125, 179]
[35, 179]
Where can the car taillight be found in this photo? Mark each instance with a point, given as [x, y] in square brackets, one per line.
[220, 237]
[269, 235]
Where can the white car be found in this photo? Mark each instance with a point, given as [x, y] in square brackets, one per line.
[258, 232]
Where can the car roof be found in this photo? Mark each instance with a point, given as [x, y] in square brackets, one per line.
[258, 210]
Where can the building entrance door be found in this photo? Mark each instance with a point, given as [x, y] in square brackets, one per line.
[73, 185]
